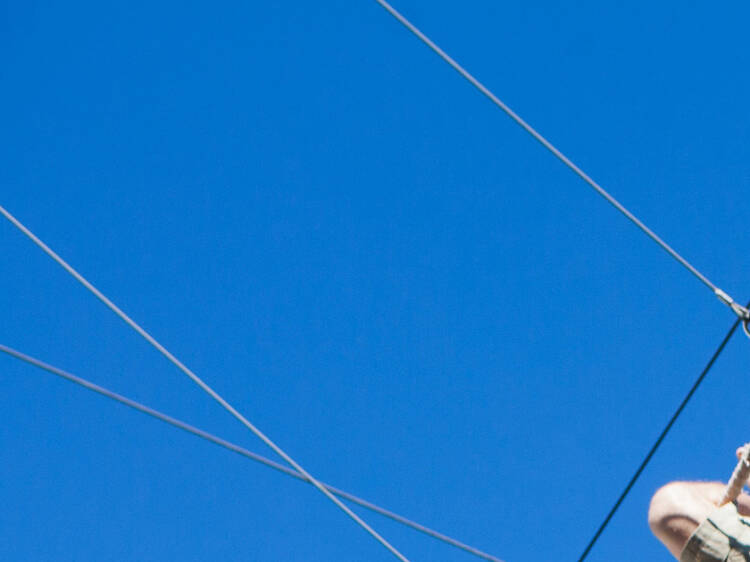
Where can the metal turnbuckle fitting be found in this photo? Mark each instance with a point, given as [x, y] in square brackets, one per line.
[742, 313]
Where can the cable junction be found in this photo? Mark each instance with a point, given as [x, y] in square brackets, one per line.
[742, 312]
[241, 451]
[197, 380]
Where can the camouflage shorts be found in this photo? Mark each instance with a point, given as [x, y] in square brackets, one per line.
[723, 536]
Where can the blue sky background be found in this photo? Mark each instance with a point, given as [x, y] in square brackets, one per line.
[372, 263]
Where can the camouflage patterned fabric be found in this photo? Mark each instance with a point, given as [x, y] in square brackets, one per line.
[723, 537]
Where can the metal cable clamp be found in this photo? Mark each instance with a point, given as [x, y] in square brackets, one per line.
[742, 313]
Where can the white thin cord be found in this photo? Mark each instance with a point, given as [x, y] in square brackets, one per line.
[197, 380]
[239, 450]
[723, 296]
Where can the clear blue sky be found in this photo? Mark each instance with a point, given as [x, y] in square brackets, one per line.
[373, 264]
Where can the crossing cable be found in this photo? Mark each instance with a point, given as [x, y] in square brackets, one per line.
[740, 311]
[240, 450]
[197, 380]
[659, 440]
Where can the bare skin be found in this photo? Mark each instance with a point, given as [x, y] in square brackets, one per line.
[678, 508]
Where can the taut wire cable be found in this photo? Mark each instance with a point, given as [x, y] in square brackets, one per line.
[741, 312]
[240, 450]
[197, 380]
[661, 437]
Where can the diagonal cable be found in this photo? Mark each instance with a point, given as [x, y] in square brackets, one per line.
[743, 313]
[240, 450]
[723, 296]
[659, 440]
[197, 380]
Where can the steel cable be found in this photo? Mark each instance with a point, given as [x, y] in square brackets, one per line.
[722, 295]
[195, 378]
[240, 450]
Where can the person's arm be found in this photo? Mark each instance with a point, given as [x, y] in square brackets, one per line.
[679, 507]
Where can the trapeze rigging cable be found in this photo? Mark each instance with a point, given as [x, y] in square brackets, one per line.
[659, 439]
[240, 450]
[743, 313]
[196, 379]
[740, 311]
